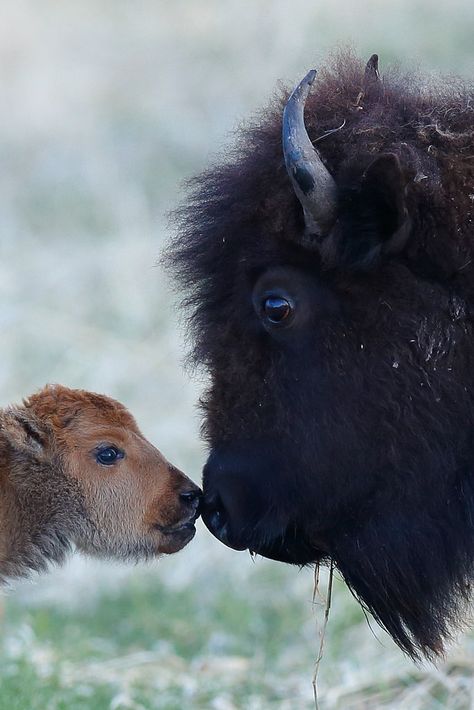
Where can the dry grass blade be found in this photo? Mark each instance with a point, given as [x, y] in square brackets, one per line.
[322, 630]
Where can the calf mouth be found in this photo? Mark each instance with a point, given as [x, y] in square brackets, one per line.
[184, 529]
[172, 538]
[176, 529]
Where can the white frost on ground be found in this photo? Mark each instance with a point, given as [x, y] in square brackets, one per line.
[106, 107]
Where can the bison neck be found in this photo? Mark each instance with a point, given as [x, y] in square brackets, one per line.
[30, 539]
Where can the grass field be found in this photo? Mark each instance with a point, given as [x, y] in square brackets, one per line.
[106, 106]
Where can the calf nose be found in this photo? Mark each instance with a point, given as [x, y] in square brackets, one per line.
[191, 496]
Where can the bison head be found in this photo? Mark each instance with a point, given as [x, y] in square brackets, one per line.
[331, 292]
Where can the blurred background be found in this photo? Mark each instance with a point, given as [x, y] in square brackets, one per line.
[106, 106]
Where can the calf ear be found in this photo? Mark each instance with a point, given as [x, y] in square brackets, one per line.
[383, 189]
[23, 432]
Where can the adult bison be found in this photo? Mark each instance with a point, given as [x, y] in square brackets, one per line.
[331, 279]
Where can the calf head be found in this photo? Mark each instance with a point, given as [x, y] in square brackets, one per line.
[81, 472]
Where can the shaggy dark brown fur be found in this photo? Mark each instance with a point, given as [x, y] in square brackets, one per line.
[347, 434]
[55, 492]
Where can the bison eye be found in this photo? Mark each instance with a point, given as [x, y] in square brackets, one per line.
[109, 455]
[277, 309]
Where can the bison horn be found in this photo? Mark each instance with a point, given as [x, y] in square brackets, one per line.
[312, 182]
[372, 70]
[372, 87]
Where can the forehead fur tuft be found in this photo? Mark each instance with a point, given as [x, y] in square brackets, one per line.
[61, 406]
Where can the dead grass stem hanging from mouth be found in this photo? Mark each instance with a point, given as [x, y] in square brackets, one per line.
[322, 627]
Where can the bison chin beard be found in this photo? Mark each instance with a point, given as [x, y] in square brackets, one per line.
[412, 568]
[409, 562]
[292, 547]
[407, 556]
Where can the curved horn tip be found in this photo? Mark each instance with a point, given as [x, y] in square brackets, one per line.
[301, 91]
[373, 61]
[313, 183]
[372, 66]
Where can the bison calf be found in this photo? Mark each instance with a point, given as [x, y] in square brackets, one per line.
[76, 470]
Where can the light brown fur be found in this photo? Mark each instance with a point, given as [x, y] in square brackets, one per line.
[54, 494]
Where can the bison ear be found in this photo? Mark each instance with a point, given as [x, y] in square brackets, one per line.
[383, 191]
[24, 433]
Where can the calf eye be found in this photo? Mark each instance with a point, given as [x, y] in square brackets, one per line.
[277, 309]
[109, 455]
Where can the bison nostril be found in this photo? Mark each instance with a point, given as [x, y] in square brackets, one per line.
[216, 520]
[190, 496]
